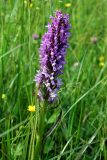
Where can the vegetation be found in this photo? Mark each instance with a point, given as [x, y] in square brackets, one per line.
[81, 133]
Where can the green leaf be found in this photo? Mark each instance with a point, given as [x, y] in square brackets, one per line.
[53, 117]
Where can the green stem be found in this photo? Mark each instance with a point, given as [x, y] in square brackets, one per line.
[40, 132]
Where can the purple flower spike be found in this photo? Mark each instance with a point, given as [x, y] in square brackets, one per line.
[52, 57]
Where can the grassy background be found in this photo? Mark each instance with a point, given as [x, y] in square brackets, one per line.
[82, 133]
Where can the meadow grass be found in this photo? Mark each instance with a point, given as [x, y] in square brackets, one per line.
[82, 132]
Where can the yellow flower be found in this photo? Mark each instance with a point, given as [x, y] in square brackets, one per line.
[101, 64]
[3, 96]
[30, 5]
[68, 5]
[25, 2]
[31, 108]
[101, 61]
[101, 58]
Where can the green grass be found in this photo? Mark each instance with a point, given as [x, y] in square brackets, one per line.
[82, 131]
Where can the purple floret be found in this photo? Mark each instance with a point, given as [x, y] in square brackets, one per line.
[35, 36]
[52, 57]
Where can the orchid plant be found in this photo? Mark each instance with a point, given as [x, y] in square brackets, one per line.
[52, 60]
